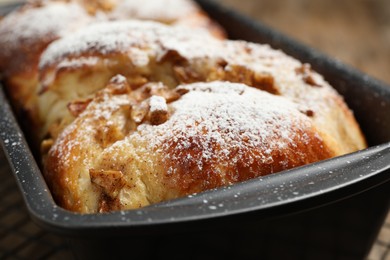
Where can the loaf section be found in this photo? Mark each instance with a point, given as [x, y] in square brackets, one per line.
[133, 148]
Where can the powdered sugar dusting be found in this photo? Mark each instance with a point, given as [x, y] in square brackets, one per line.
[227, 119]
[119, 79]
[161, 10]
[78, 63]
[157, 103]
[102, 112]
[53, 20]
[107, 106]
[141, 39]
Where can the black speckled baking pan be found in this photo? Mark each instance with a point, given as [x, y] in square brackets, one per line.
[327, 210]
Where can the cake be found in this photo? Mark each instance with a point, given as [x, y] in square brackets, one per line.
[134, 104]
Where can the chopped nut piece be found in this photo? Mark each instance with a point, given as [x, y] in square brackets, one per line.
[136, 81]
[168, 94]
[265, 82]
[307, 75]
[139, 111]
[158, 112]
[181, 91]
[308, 112]
[110, 181]
[238, 73]
[77, 107]
[186, 75]
[118, 85]
[170, 55]
[109, 134]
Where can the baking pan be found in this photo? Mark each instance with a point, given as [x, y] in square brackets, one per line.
[330, 209]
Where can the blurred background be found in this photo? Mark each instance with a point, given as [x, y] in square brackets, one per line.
[357, 32]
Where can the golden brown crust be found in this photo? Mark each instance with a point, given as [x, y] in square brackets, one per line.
[216, 134]
[150, 52]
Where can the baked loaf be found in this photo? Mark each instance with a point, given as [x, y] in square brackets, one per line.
[132, 148]
[27, 32]
[137, 112]
[75, 67]
[175, 123]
